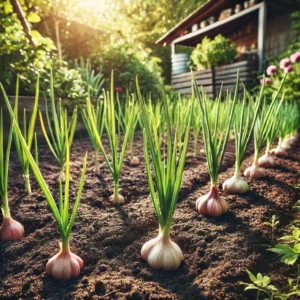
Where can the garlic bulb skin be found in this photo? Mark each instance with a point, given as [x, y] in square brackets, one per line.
[64, 265]
[211, 204]
[96, 171]
[120, 199]
[293, 139]
[134, 161]
[266, 161]
[162, 254]
[286, 145]
[61, 177]
[279, 151]
[11, 230]
[235, 185]
[255, 172]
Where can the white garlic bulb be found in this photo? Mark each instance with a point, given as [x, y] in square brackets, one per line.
[235, 185]
[161, 253]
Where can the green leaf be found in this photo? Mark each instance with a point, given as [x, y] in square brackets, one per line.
[282, 249]
[33, 17]
[251, 287]
[8, 8]
[36, 36]
[266, 281]
[297, 248]
[251, 276]
[289, 259]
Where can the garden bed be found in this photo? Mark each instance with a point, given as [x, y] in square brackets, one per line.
[109, 238]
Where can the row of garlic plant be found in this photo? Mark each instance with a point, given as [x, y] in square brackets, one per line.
[166, 130]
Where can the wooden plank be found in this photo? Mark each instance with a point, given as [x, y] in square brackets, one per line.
[188, 83]
[205, 30]
[189, 78]
[188, 91]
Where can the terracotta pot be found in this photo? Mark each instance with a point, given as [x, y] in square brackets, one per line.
[203, 24]
[252, 3]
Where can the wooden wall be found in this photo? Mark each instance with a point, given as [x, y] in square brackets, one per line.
[212, 79]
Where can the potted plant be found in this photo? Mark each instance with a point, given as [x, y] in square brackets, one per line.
[211, 53]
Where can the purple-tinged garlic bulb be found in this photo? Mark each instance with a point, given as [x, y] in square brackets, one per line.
[279, 151]
[267, 161]
[255, 172]
[211, 204]
[96, 171]
[64, 265]
[11, 230]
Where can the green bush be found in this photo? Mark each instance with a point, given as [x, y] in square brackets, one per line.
[127, 66]
[211, 53]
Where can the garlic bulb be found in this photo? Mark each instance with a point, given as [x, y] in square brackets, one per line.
[61, 177]
[64, 265]
[293, 139]
[119, 199]
[211, 204]
[235, 185]
[279, 151]
[255, 172]
[267, 161]
[161, 253]
[134, 161]
[11, 230]
[285, 145]
[96, 171]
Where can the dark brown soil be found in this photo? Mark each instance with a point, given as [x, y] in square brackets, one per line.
[108, 238]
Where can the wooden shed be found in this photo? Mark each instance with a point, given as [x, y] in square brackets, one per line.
[258, 28]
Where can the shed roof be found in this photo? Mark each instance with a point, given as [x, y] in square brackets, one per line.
[212, 7]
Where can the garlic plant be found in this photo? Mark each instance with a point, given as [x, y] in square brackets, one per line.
[10, 229]
[58, 136]
[216, 124]
[64, 265]
[267, 160]
[196, 125]
[243, 124]
[116, 162]
[130, 110]
[99, 117]
[286, 127]
[263, 127]
[166, 171]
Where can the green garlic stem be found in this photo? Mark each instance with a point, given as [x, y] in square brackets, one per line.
[65, 246]
[27, 183]
[5, 207]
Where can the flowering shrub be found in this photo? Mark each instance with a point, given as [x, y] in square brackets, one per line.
[290, 66]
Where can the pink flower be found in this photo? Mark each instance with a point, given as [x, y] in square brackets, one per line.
[295, 57]
[119, 89]
[284, 63]
[265, 81]
[271, 70]
[288, 69]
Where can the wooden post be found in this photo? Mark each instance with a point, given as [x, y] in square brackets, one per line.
[213, 79]
[262, 19]
[173, 50]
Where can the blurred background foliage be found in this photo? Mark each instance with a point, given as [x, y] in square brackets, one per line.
[117, 35]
